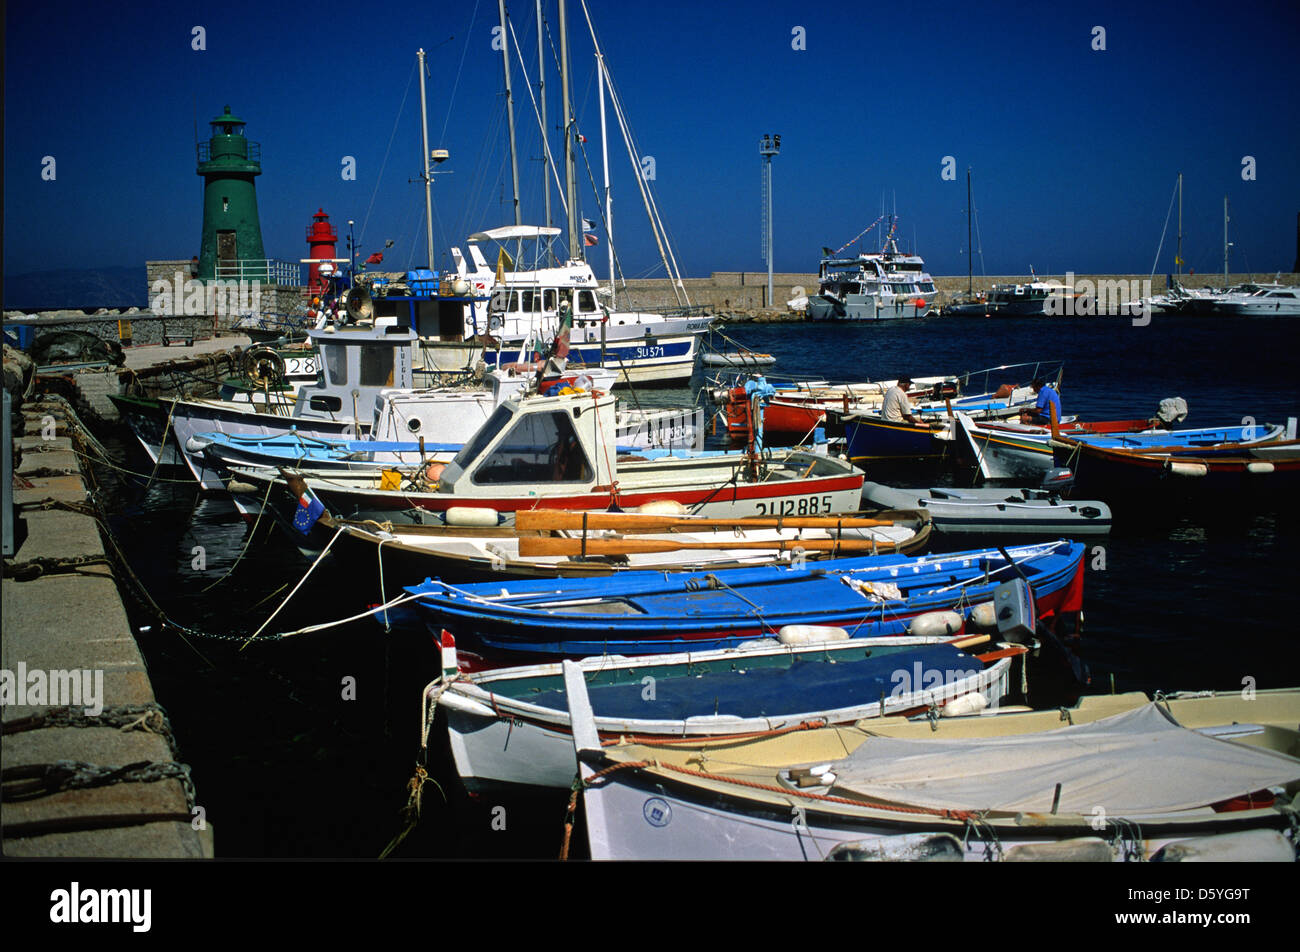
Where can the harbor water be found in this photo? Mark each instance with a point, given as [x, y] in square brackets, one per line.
[303, 747]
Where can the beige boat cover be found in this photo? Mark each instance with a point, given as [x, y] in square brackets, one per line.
[1138, 762]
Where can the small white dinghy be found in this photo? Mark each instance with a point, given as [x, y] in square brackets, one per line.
[1000, 511]
[741, 358]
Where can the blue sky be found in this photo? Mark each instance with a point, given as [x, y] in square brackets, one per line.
[1074, 151]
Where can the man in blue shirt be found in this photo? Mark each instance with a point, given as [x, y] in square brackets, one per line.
[1047, 398]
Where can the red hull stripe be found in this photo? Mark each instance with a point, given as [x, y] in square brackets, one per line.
[592, 501]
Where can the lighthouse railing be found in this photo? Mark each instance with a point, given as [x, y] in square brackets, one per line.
[250, 152]
[265, 270]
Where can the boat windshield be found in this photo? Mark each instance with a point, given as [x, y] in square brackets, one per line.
[540, 448]
[485, 435]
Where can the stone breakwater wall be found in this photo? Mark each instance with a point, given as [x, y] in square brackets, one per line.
[131, 327]
[740, 292]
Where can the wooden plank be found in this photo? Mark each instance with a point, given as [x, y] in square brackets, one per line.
[535, 546]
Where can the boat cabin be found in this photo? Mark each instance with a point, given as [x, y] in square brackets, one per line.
[356, 364]
[537, 441]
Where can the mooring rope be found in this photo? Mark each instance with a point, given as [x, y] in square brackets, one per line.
[319, 558]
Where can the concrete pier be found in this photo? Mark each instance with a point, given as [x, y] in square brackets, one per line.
[63, 617]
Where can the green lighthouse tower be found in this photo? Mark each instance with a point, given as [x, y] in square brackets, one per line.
[232, 234]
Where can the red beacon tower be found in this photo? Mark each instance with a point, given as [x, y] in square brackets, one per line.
[321, 239]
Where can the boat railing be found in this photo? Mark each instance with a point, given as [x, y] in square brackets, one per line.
[680, 310]
[980, 381]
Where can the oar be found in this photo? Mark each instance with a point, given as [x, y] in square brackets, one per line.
[546, 519]
[535, 546]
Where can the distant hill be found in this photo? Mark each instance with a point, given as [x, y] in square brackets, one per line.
[76, 288]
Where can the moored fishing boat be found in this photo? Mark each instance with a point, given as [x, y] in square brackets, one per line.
[1182, 778]
[425, 412]
[560, 453]
[651, 613]
[1009, 450]
[512, 725]
[983, 395]
[737, 359]
[797, 409]
[1254, 473]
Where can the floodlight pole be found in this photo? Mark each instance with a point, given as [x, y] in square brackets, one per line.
[769, 146]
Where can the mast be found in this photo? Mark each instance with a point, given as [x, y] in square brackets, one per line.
[1178, 258]
[970, 256]
[541, 97]
[570, 180]
[604, 156]
[428, 179]
[510, 107]
[1225, 241]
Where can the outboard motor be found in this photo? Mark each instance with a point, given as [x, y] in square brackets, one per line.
[1058, 481]
[1013, 602]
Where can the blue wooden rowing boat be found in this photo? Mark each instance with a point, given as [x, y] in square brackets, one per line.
[315, 453]
[656, 612]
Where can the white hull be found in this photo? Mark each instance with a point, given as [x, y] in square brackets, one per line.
[644, 820]
[522, 744]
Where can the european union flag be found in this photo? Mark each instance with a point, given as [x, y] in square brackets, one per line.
[307, 514]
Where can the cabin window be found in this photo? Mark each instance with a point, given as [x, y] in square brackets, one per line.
[326, 404]
[927, 287]
[336, 363]
[586, 302]
[540, 448]
[377, 366]
[532, 301]
[485, 435]
[549, 300]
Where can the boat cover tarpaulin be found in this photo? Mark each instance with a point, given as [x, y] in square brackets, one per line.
[1139, 762]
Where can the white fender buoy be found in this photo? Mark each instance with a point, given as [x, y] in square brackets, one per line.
[1251, 846]
[757, 644]
[1188, 469]
[810, 634]
[1084, 849]
[971, 703]
[663, 507]
[1260, 467]
[935, 624]
[471, 516]
[985, 615]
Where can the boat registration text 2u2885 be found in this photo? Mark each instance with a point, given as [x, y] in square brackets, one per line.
[803, 506]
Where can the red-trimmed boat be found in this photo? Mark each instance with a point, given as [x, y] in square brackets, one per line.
[1237, 472]
[560, 453]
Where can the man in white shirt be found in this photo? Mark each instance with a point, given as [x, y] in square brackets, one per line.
[896, 408]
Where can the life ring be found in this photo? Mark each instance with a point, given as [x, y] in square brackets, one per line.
[263, 366]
